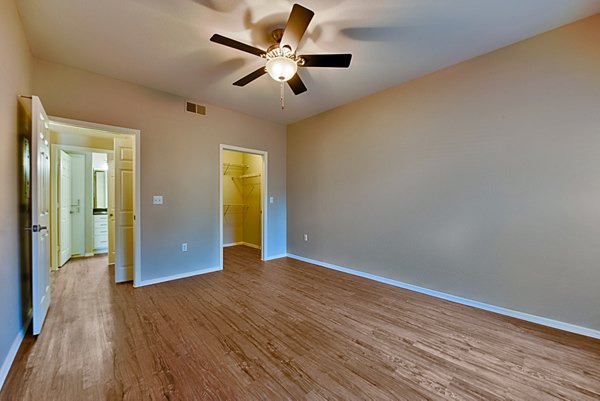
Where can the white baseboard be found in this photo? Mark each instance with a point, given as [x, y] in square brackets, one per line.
[283, 255]
[251, 245]
[143, 283]
[464, 301]
[12, 352]
[241, 243]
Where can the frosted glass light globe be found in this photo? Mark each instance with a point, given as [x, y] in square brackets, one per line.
[282, 69]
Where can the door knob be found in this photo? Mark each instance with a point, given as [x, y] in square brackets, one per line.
[36, 228]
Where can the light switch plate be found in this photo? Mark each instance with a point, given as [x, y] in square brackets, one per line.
[271, 199]
[157, 200]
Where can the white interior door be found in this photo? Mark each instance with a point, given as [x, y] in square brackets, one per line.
[111, 209]
[124, 208]
[77, 204]
[64, 208]
[40, 214]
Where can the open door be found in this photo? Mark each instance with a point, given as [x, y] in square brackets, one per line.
[78, 204]
[111, 209]
[40, 214]
[124, 208]
[64, 214]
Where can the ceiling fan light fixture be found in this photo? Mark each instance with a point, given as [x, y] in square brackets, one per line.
[282, 62]
[282, 68]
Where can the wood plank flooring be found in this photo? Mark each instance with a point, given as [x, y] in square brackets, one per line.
[282, 330]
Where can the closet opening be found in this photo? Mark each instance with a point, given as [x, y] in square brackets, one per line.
[243, 184]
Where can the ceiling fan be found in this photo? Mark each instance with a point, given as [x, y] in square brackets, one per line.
[282, 62]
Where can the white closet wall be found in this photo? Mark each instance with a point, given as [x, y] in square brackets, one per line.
[233, 213]
[252, 187]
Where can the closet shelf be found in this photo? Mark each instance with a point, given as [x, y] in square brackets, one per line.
[228, 166]
[235, 165]
[249, 175]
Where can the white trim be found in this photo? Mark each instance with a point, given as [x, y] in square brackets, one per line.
[244, 244]
[283, 255]
[100, 127]
[464, 301]
[143, 283]
[122, 272]
[136, 133]
[264, 195]
[232, 244]
[12, 352]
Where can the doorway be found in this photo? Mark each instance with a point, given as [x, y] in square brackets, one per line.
[95, 195]
[243, 206]
[81, 197]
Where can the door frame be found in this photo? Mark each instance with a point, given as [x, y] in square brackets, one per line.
[54, 151]
[263, 193]
[136, 133]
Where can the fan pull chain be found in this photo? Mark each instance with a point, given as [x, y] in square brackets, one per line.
[282, 97]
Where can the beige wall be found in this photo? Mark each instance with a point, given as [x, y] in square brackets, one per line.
[15, 74]
[179, 158]
[481, 180]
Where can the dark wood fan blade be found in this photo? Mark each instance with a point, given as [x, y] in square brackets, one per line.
[297, 85]
[296, 26]
[222, 40]
[327, 60]
[251, 77]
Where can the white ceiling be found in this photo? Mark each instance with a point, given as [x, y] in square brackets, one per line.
[164, 44]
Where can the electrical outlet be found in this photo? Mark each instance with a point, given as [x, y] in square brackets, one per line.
[184, 247]
[271, 199]
[305, 237]
[157, 200]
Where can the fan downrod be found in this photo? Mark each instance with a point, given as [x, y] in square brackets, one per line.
[277, 34]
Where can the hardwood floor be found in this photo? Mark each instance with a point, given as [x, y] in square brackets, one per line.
[285, 329]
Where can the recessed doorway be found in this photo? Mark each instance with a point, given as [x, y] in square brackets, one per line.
[95, 195]
[243, 206]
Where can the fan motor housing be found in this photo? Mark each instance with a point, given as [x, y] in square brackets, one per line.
[277, 34]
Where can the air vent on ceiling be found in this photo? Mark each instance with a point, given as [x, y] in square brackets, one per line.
[195, 108]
